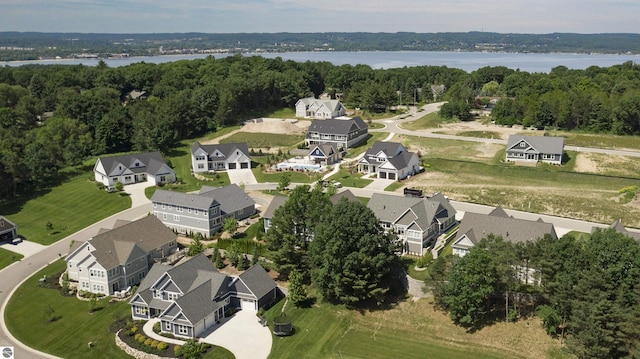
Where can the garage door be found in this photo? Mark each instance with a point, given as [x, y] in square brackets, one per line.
[392, 176]
[232, 166]
[382, 175]
[248, 305]
[244, 165]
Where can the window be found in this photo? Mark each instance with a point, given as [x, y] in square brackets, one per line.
[189, 210]
[183, 329]
[172, 296]
[164, 216]
[200, 166]
[195, 211]
[163, 206]
[155, 205]
[176, 218]
[522, 144]
[170, 207]
[179, 208]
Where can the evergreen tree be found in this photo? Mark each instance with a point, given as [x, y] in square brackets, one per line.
[297, 293]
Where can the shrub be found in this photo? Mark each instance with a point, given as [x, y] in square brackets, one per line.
[137, 337]
[177, 350]
[154, 344]
[148, 342]
[156, 327]
[141, 339]
[162, 346]
[133, 330]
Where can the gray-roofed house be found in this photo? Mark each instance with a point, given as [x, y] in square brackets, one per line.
[475, 226]
[389, 160]
[324, 154]
[343, 133]
[192, 297]
[310, 107]
[203, 212]
[8, 230]
[220, 157]
[617, 225]
[417, 221]
[133, 168]
[532, 149]
[119, 258]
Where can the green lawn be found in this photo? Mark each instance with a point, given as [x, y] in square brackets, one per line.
[264, 140]
[8, 257]
[479, 134]
[70, 207]
[294, 176]
[67, 336]
[350, 180]
[409, 330]
[431, 120]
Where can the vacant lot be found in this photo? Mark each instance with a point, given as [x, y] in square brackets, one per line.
[409, 330]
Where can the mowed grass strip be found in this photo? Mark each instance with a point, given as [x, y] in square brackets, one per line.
[27, 318]
[431, 120]
[264, 140]
[70, 207]
[409, 330]
[8, 257]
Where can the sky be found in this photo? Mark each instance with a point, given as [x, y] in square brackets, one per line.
[269, 16]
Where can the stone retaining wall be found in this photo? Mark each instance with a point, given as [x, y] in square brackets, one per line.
[135, 352]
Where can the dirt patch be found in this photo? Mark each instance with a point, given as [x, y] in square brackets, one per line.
[277, 125]
[585, 163]
[458, 127]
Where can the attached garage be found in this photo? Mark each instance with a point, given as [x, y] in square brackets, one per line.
[246, 304]
[232, 165]
[391, 176]
[382, 175]
[244, 165]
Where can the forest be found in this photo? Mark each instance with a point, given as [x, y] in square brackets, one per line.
[34, 45]
[55, 116]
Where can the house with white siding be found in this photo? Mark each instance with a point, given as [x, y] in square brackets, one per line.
[533, 149]
[310, 107]
[389, 160]
[220, 157]
[133, 168]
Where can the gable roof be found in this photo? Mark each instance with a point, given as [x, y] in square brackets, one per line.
[231, 197]
[402, 160]
[337, 126]
[411, 211]
[276, 202]
[258, 281]
[226, 149]
[389, 148]
[6, 224]
[542, 144]
[346, 194]
[189, 200]
[326, 148]
[150, 162]
[617, 225]
[136, 238]
[477, 226]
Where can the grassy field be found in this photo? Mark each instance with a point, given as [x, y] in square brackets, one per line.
[431, 120]
[348, 179]
[598, 140]
[409, 330]
[69, 207]
[295, 177]
[264, 140]
[8, 257]
[479, 134]
[27, 317]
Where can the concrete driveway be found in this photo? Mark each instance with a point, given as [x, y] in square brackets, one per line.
[242, 176]
[243, 335]
[25, 248]
[136, 192]
[379, 184]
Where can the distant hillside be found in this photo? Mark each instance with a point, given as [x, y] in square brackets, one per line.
[33, 45]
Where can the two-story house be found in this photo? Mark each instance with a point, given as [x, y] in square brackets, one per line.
[118, 258]
[343, 133]
[192, 297]
[203, 212]
[532, 149]
[220, 157]
[417, 221]
[133, 168]
[310, 107]
[389, 160]
[8, 230]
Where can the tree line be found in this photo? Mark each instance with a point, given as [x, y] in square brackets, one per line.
[586, 291]
[93, 115]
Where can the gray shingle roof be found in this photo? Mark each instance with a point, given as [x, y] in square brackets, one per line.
[477, 226]
[276, 202]
[402, 160]
[389, 148]
[542, 144]
[225, 148]
[407, 211]
[258, 281]
[346, 194]
[114, 247]
[617, 225]
[151, 162]
[336, 126]
[189, 200]
[6, 224]
[231, 198]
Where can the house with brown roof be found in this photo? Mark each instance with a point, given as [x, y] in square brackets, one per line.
[475, 226]
[192, 297]
[118, 258]
[8, 230]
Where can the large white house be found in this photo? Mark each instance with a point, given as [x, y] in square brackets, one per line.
[389, 160]
[220, 157]
[319, 109]
[119, 258]
[133, 168]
